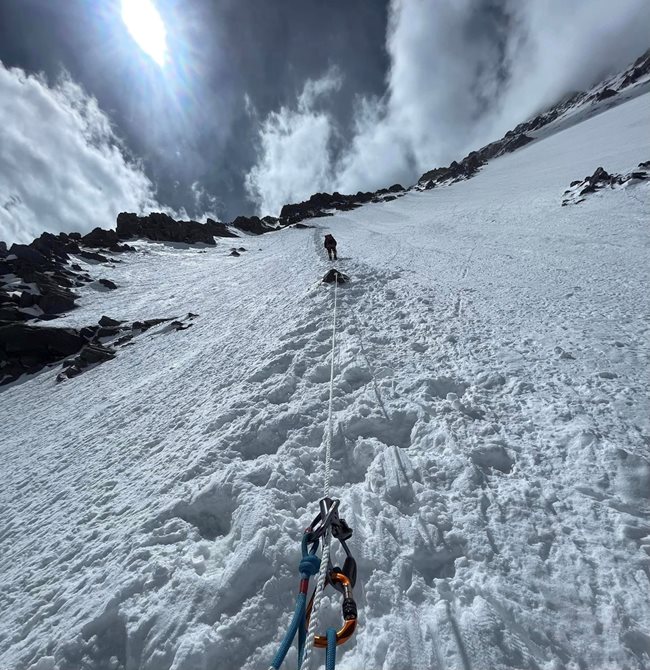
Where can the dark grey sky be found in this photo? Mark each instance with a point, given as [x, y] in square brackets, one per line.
[264, 102]
[188, 122]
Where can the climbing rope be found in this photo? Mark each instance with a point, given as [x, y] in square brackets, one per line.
[330, 420]
[320, 584]
[326, 525]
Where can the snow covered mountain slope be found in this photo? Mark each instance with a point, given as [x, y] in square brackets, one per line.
[491, 448]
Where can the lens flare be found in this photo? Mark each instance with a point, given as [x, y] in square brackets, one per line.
[146, 27]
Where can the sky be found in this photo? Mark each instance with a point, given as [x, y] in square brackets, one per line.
[235, 107]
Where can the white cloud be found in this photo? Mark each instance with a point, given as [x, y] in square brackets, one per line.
[61, 166]
[569, 46]
[462, 73]
[294, 159]
[204, 202]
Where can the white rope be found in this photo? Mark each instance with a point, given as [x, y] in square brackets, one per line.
[325, 557]
[330, 427]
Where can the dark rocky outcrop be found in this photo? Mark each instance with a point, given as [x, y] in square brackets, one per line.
[640, 68]
[319, 203]
[105, 239]
[604, 94]
[219, 229]
[26, 348]
[252, 224]
[100, 238]
[36, 278]
[473, 162]
[519, 136]
[162, 228]
[601, 179]
[324, 204]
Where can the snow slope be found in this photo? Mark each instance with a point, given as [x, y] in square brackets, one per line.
[491, 448]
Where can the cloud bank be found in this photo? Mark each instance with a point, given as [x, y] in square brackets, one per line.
[61, 166]
[462, 73]
[295, 155]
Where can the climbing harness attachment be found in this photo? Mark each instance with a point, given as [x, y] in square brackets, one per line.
[327, 522]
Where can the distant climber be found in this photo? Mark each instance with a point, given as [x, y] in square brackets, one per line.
[330, 245]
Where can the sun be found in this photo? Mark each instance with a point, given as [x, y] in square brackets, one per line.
[146, 27]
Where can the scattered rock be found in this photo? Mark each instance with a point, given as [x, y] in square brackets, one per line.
[95, 353]
[179, 325]
[106, 321]
[93, 256]
[56, 300]
[234, 252]
[108, 284]
[335, 276]
[90, 355]
[149, 323]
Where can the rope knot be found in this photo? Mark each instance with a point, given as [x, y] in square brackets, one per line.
[309, 565]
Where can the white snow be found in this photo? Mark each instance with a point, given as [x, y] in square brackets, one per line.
[490, 451]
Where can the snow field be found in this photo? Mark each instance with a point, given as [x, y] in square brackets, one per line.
[490, 449]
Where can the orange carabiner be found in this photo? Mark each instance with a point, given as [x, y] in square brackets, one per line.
[348, 608]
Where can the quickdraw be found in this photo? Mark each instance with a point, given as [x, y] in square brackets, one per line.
[342, 579]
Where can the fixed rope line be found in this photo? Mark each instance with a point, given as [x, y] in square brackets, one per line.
[330, 420]
[326, 525]
[325, 557]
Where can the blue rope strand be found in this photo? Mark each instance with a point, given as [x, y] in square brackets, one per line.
[330, 658]
[309, 566]
[297, 621]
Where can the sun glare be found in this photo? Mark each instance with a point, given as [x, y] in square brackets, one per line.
[146, 27]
